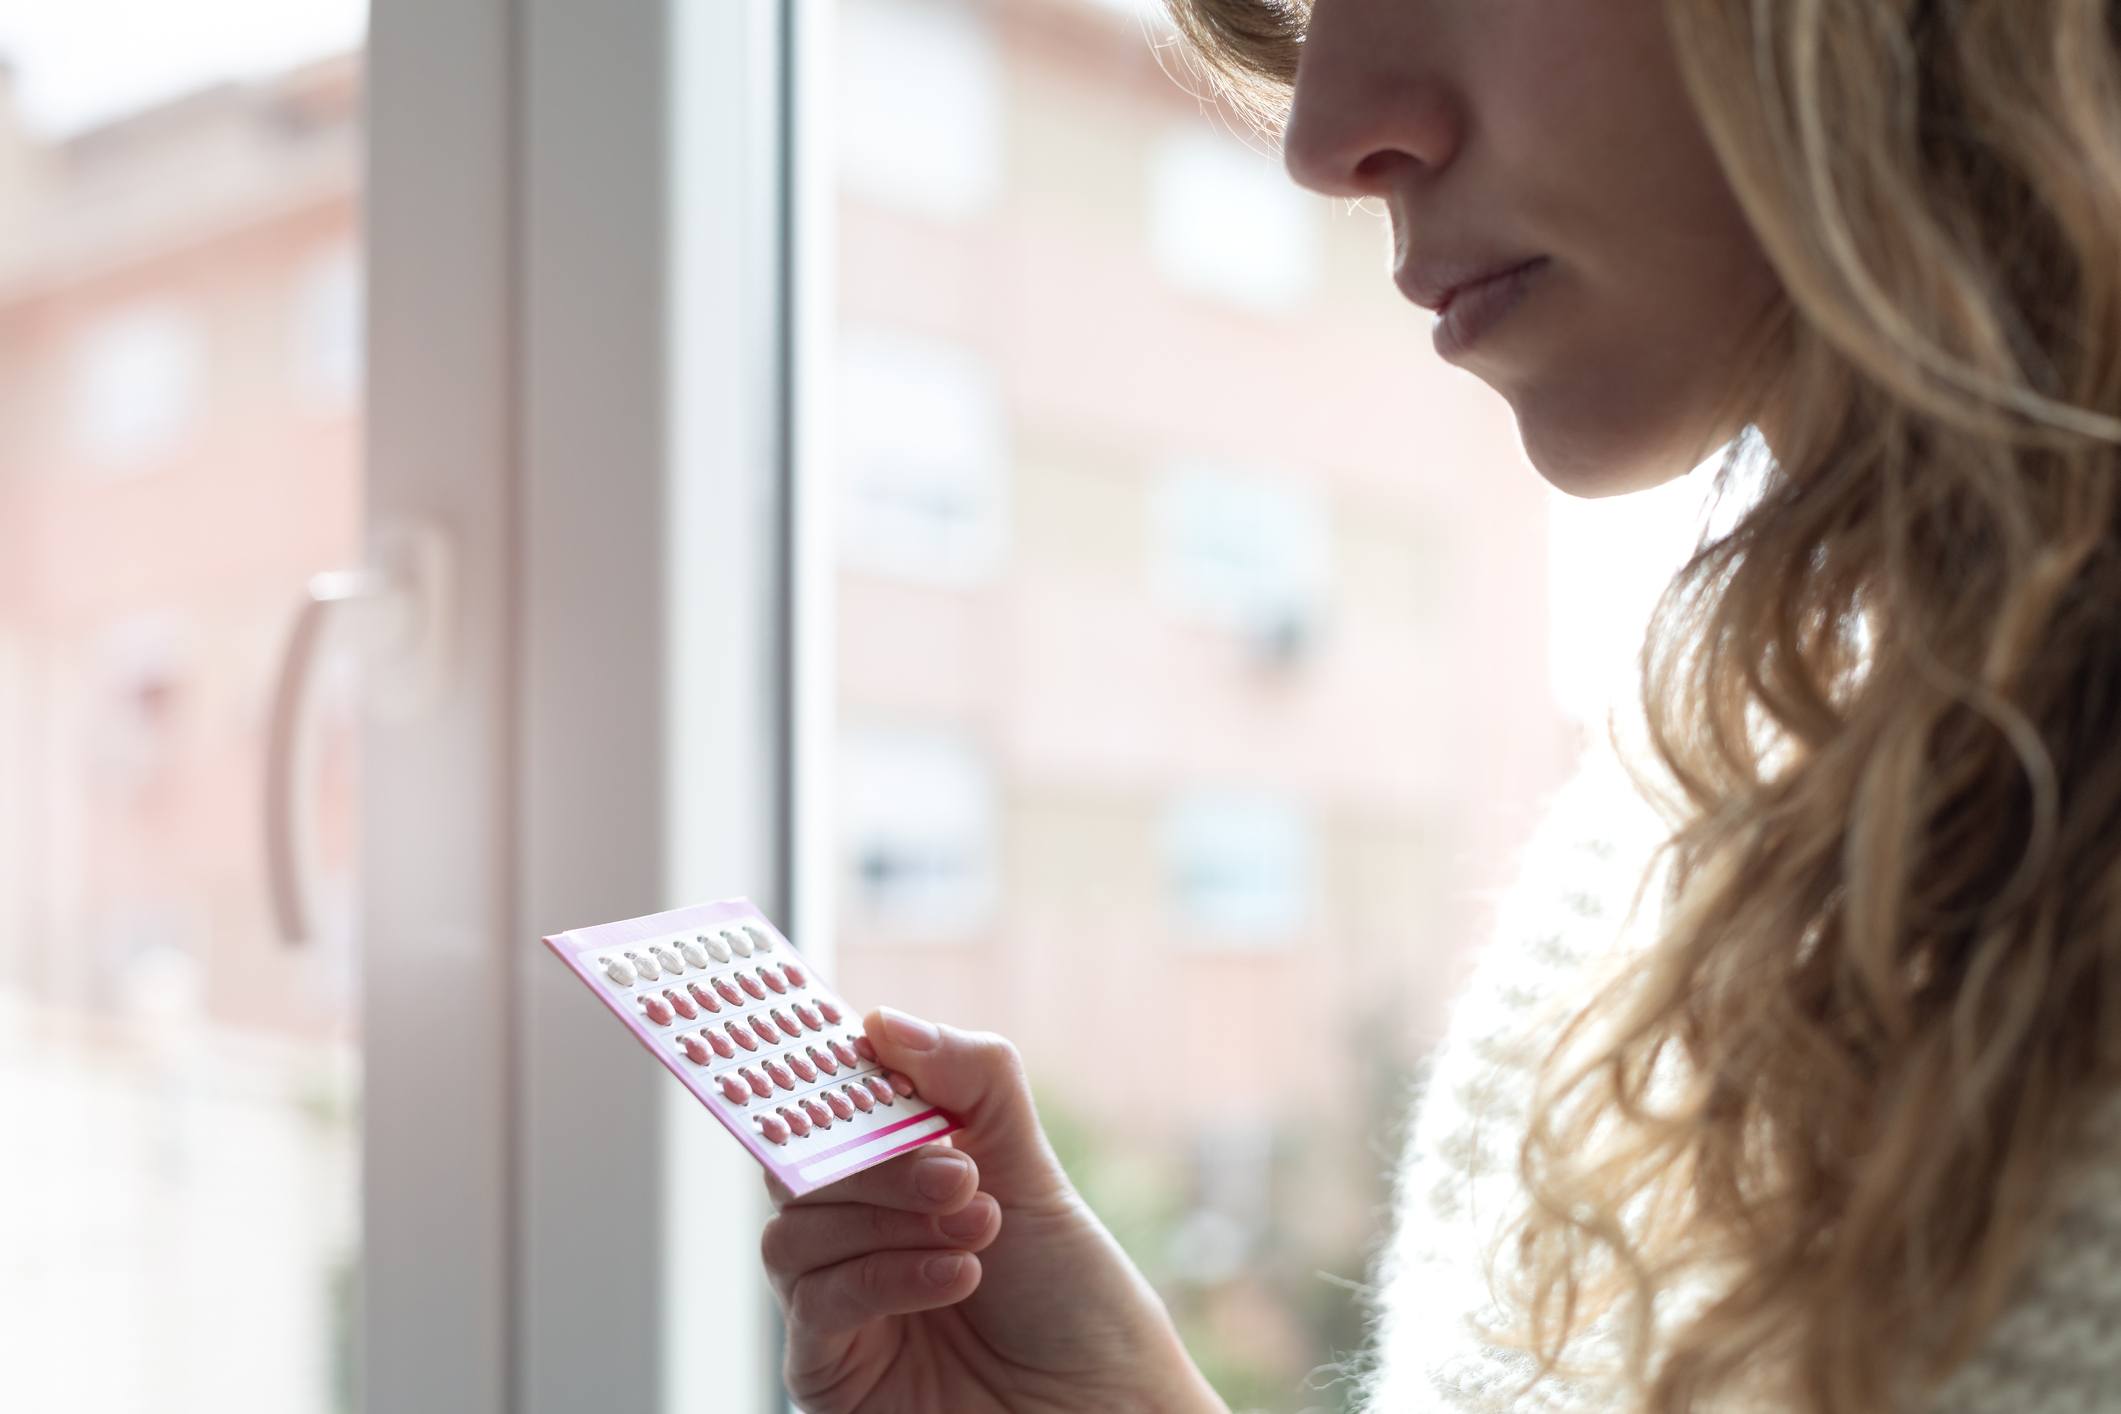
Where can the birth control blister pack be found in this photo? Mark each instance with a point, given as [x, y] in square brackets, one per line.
[717, 994]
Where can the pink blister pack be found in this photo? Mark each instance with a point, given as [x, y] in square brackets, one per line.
[724, 1000]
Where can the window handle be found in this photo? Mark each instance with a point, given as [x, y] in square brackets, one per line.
[394, 616]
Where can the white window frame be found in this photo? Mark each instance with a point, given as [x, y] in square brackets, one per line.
[577, 368]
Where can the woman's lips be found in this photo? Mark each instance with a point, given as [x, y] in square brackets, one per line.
[1473, 309]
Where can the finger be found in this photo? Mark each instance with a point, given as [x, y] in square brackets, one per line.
[978, 1077]
[806, 1238]
[930, 1179]
[832, 1300]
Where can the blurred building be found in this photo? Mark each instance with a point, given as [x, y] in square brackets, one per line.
[1192, 614]
[179, 450]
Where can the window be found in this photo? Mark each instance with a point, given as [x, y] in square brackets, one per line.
[921, 116]
[1245, 550]
[918, 816]
[1239, 867]
[327, 333]
[924, 459]
[1225, 221]
[137, 380]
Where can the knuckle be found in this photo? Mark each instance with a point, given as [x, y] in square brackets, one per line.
[777, 1245]
[997, 1053]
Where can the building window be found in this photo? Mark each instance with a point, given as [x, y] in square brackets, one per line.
[1226, 222]
[1240, 867]
[920, 107]
[923, 459]
[1246, 550]
[328, 334]
[137, 380]
[918, 824]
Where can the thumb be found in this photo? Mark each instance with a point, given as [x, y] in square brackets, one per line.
[978, 1077]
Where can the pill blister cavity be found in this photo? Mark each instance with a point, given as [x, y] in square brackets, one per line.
[733, 1090]
[881, 1088]
[716, 948]
[774, 1128]
[658, 1010]
[797, 1120]
[694, 954]
[646, 967]
[742, 1037]
[803, 1068]
[695, 1050]
[759, 939]
[669, 960]
[739, 944]
[773, 979]
[682, 1004]
[793, 973]
[808, 1017]
[844, 1053]
[839, 1104]
[824, 1062]
[830, 1012]
[704, 997]
[760, 1085]
[729, 992]
[863, 1101]
[619, 970]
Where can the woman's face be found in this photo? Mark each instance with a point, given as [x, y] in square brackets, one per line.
[1496, 131]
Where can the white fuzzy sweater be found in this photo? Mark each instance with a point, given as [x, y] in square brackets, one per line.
[2056, 1350]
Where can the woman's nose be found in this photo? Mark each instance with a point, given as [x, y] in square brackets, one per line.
[1369, 100]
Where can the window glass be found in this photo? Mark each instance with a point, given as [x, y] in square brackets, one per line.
[1225, 221]
[921, 113]
[923, 458]
[1191, 675]
[180, 1226]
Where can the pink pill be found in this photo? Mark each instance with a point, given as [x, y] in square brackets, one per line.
[824, 1062]
[704, 997]
[809, 1017]
[839, 1104]
[720, 1043]
[772, 979]
[780, 1075]
[863, 1049]
[750, 984]
[683, 1004]
[817, 1114]
[758, 1083]
[883, 1092]
[793, 973]
[901, 1084]
[796, 1121]
[658, 1010]
[805, 1071]
[832, 1013]
[786, 1023]
[734, 1089]
[845, 1053]
[694, 1051]
[729, 992]
[774, 1128]
[860, 1095]
[739, 1035]
[765, 1029]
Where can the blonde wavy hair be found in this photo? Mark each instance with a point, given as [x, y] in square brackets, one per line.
[1844, 1092]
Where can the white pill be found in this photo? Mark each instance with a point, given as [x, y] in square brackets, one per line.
[740, 943]
[694, 954]
[765, 944]
[619, 970]
[714, 948]
[647, 966]
[669, 960]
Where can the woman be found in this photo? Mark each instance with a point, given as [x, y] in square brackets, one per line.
[1837, 1134]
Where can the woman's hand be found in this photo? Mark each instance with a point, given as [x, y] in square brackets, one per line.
[966, 1275]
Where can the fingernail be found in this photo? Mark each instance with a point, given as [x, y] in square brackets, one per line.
[938, 1177]
[967, 1222]
[943, 1270]
[909, 1031]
